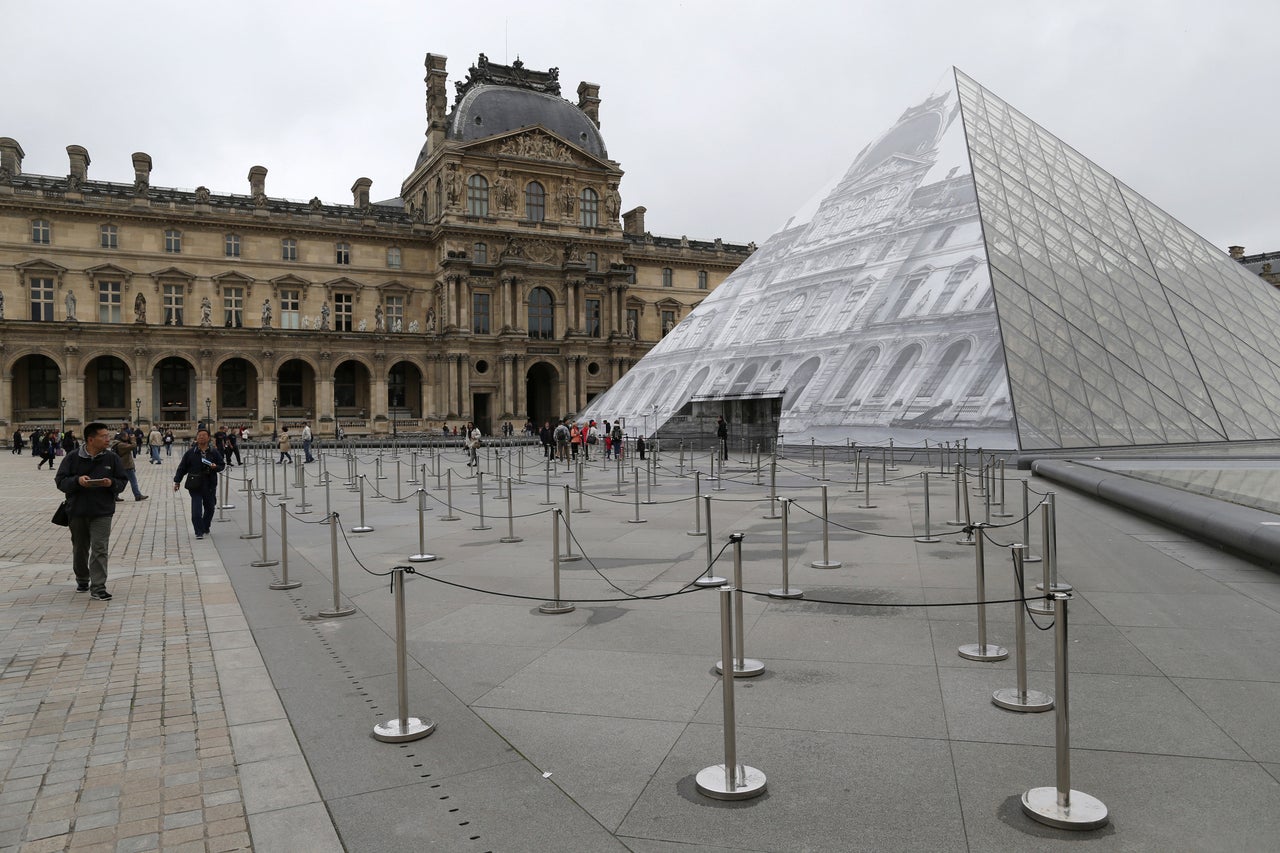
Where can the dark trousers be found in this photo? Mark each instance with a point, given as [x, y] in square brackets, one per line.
[202, 506]
[90, 540]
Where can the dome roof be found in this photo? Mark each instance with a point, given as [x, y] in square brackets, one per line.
[489, 110]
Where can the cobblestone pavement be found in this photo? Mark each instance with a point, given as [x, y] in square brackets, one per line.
[114, 731]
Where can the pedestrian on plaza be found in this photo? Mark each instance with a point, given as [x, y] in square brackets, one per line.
[36, 435]
[561, 435]
[91, 477]
[154, 442]
[233, 447]
[168, 442]
[617, 440]
[48, 449]
[284, 447]
[139, 440]
[472, 445]
[575, 439]
[200, 465]
[123, 446]
[306, 442]
[640, 448]
[722, 433]
[17, 441]
[547, 437]
[69, 442]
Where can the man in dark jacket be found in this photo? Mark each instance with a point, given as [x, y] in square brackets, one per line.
[91, 476]
[124, 446]
[722, 433]
[203, 462]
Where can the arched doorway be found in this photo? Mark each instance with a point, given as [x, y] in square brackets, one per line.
[295, 394]
[107, 389]
[404, 395]
[36, 391]
[542, 391]
[174, 384]
[237, 398]
[351, 387]
[798, 382]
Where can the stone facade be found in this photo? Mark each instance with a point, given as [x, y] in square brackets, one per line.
[500, 285]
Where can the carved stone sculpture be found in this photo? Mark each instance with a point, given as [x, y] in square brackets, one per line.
[206, 312]
[324, 316]
[266, 313]
[413, 324]
[70, 302]
[140, 308]
[379, 322]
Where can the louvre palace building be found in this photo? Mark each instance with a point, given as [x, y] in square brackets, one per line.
[504, 282]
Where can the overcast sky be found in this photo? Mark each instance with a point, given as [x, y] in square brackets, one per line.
[726, 116]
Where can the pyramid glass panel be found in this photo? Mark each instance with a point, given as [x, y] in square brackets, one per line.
[1033, 301]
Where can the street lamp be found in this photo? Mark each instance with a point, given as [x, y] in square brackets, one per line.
[137, 409]
[208, 410]
[62, 418]
[275, 416]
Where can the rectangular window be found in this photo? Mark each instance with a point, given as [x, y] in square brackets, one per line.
[290, 309]
[231, 245]
[593, 318]
[41, 231]
[394, 313]
[173, 241]
[589, 209]
[667, 277]
[342, 253]
[173, 301]
[233, 307]
[343, 304]
[480, 313]
[702, 279]
[288, 249]
[393, 258]
[109, 301]
[480, 251]
[42, 299]
[593, 262]
[108, 237]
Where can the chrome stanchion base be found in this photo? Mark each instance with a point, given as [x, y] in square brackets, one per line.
[640, 521]
[1031, 702]
[749, 668]
[1040, 607]
[250, 535]
[449, 518]
[364, 528]
[227, 506]
[710, 580]
[927, 539]
[284, 585]
[1057, 586]
[1030, 559]
[954, 523]
[826, 564]
[713, 782]
[973, 651]
[1083, 812]
[788, 592]
[482, 527]
[400, 731]
[508, 540]
[570, 558]
[867, 506]
[422, 558]
[262, 564]
[1003, 515]
[556, 606]
[701, 533]
[341, 611]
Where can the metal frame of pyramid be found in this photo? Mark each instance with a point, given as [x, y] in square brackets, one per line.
[971, 275]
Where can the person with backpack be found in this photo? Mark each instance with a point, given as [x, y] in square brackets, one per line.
[617, 441]
[562, 436]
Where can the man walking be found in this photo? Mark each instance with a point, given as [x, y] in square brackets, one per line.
[722, 433]
[124, 447]
[154, 441]
[91, 477]
[200, 465]
[306, 442]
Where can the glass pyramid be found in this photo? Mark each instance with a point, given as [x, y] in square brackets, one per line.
[970, 275]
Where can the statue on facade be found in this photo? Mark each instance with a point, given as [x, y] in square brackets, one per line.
[74, 183]
[379, 321]
[1, 305]
[413, 324]
[453, 185]
[70, 302]
[315, 204]
[431, 319]
[506, 190]
[573, 254]
[139, 308]
[324, 316]
[631, 328]
[266, 313]
[206, 312]
[612, 204]
[568, 197]
[202, 195]
[306, 322]
[364, 325]
[397, 326]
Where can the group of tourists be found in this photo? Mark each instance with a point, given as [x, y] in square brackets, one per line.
[569, 440]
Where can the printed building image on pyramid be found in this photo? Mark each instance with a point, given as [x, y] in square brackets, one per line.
[970, 275]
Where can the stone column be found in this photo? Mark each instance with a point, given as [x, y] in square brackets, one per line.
[464, 387]
[518, 387]
[451, 385]
[571, 383]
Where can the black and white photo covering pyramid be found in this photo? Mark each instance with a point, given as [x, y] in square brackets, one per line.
[971, 275]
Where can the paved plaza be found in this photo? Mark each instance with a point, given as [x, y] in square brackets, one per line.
[201, 710]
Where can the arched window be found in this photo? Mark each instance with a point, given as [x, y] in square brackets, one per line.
[535, 202]
[953, 356]
[890, 380]
[477, 195]
[589, 208]
[541, 314]
[864, 362]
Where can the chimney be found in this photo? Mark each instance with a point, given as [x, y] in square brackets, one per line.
[633, 221]
[437, 100]
[79, 163]
[360, 192]
[589, 100]
[1237, 252]
[141, 170]
[258, 181]
[11, 155]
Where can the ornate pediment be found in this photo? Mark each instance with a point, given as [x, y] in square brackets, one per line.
[536, 143]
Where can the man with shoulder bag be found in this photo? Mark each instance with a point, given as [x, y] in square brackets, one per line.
[91, 476]
[200, 465]
[125, 446]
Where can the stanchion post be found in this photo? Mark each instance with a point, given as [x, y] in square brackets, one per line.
[248, 506]
[480, 525]
[226, 496]
[362, 527]
[731, 780]
[981, 651]
[1051, 582]
[511, 517]
[743, 667]
[422, 556]
[1061, 806]
[403, 728]
[1026, 523]
[448, 496]
[786, 590]
[284, 582]
[568, 556]
[635, 473]
[866, 500]
[338, 608]
[556, 605]
[265, 561]
[826, 562]
[1020, 698]
[928, 530]
[709, 579]
[773, 487]
[697, 505]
